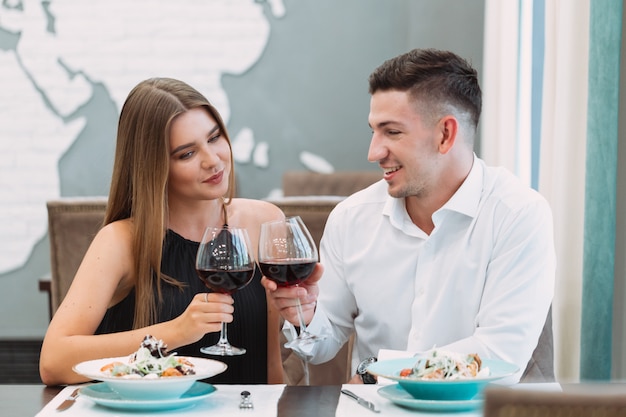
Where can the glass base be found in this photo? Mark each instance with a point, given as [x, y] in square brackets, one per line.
[223, 350]
[304, 339]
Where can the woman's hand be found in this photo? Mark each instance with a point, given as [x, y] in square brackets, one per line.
[203, 315]
[284, 298]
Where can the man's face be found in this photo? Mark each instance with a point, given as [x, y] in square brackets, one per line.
[404, 144]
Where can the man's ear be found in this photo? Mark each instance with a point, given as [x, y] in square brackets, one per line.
[449, 127]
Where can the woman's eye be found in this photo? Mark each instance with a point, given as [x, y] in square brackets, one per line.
[185, 155]
[214, 138]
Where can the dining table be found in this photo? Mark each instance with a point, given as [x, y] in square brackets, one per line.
[266, 400]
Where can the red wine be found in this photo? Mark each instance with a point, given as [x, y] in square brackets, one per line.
[226, 282]
[287, 272]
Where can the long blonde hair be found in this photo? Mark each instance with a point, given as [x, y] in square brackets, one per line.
[140, 174]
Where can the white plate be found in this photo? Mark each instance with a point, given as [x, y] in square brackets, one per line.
[396, 394]
[103, 395]
[150, 388]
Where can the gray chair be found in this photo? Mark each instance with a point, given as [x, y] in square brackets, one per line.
[340, 183]
[540, 368]
[601, 400]
[72, 225]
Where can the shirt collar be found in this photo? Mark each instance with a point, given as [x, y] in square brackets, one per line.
[395, 210]
[467, 197]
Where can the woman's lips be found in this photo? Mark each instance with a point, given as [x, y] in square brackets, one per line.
[215, 179]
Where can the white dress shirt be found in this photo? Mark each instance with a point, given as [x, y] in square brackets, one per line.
[482, 282]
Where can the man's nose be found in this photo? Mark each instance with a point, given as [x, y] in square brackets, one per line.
[376, 150]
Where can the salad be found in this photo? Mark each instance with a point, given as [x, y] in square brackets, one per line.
[443, 365]
[150, 361]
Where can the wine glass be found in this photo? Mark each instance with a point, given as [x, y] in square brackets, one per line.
[287, 256]
[225, 264]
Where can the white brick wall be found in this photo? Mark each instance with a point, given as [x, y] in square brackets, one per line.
[118, 43]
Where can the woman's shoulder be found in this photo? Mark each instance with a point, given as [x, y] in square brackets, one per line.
[118, 231]
[259, 209]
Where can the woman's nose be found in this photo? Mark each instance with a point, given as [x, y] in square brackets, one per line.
[209, 159]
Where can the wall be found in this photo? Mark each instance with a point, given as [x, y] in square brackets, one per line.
[619, 290]
[290, 77]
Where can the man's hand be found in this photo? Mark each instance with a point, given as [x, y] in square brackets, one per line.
[284, 298]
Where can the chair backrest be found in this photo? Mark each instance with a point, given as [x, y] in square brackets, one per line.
[72, 225]
[540, 368]
[593, 400]
[341, 183]
[313, 210]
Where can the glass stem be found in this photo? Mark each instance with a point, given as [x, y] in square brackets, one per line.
[300, 316]
[223, 336]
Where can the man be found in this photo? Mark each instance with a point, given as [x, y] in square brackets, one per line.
[444, 252]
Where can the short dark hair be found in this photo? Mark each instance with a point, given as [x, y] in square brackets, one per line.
[437, 78]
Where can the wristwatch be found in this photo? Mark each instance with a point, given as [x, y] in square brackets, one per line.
[361, 370]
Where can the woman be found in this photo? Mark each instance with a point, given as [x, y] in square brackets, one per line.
[173, 176]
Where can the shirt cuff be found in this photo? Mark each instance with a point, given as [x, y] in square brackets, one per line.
[317, 326]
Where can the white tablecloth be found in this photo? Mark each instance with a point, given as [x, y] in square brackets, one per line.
[225, 403]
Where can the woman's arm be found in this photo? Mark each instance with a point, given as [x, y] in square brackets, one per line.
[103, 279]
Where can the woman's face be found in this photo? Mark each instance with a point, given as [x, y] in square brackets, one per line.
[199, 157]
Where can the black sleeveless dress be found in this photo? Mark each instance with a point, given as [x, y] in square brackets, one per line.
[248, 329]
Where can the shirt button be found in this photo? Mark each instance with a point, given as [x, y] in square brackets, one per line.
[420, 292]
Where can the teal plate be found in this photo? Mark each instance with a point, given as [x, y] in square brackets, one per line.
[396, 394]
[445, 390]
[101, 394]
